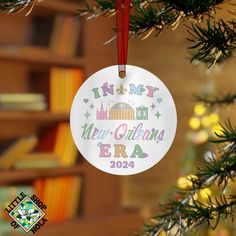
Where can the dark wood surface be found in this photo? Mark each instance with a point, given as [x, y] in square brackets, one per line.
[118, 224]
[38, 55]
[17, 176]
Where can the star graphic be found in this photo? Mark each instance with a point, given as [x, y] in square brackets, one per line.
[153, 106]
[87, 115]
[92, 106]
[158, 115]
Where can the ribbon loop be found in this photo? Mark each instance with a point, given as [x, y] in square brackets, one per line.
[122, 26]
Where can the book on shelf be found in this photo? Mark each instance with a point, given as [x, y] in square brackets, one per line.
[17, 149]
[64, 83]
[36, 160]
[22, 101]
[23, 106]
[58, 140]
[60, 194]
[54, 147]
[60, 206]
[60, 33]
[21, 97]
[65, 36]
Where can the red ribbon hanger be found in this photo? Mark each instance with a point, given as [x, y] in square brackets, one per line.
[122, 25]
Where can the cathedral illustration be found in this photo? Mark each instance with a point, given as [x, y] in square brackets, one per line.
[102, 114]
[122, 111]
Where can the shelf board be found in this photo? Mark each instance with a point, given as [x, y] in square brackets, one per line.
[116, 224]
[38, 55]
[15, 124]
[15, 176]
[32, 116]
[62, 6]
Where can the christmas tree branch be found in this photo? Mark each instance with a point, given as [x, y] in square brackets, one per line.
[227, 99]
[187, 212]
[14, 6]
[180, 217]
[214, 43]
[227, 134]
[153, 15]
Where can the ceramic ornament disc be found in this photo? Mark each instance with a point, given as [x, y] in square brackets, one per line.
[123, 126]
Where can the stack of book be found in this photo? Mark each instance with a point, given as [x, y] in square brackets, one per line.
[58, 140]
[66, 34]
[64, 83]
[19, 154]
[61, 195]
[22, 101]
[54, 148]
[60, 206]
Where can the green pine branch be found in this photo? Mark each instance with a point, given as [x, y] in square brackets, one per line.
[227, 134]
[186, 213]
[192, 8]
[182, 218]
[227, 99]
[13, 6]
[213, 43]
[154, 15]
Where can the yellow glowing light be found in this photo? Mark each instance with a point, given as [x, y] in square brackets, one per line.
[214, 118]
[182, 182]
[185, 181]
[217, 129]
[200, 109]
[206, 121]
[194, 123]
[162, 233]
[205, 193]
[201, 137]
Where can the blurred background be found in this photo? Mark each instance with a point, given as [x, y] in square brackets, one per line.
[44, 58]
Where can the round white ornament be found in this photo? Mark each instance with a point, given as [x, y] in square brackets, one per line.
[123, 126]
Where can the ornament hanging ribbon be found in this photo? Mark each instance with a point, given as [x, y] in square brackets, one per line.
[122, 25]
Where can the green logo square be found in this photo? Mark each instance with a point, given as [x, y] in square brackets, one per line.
[27, 214]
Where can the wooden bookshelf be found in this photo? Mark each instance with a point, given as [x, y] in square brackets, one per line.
[15, 124]
[101, 213]
[16, 176]
[38, 55]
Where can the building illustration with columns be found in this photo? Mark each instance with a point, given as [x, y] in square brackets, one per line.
[122, 111]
